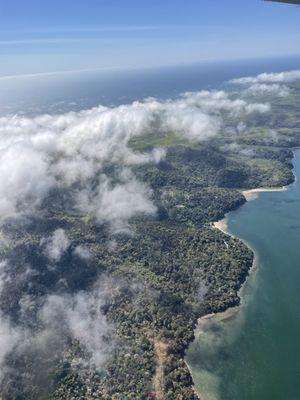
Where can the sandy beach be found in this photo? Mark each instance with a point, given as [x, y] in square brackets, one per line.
[252, 194]
[221, 225]
[207, 321]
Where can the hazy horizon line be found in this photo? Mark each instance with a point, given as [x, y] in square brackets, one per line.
[129, 68]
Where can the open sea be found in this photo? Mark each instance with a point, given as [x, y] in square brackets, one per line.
[74, 91]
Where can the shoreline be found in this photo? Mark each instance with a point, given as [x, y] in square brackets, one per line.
[251, 194]
[191, 373]
[208, 320]
[222, 225]
[204, 323]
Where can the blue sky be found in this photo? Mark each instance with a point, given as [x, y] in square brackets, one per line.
[38, 36]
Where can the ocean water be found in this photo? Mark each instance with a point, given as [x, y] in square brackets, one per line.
[75, 91]
[255, 354]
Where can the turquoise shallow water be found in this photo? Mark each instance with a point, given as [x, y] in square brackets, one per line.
[255, 354]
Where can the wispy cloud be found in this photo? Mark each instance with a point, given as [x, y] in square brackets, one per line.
[60, 40]
[53, 73]
[115, 28]
[279, 77]
[45, 41]
[78, 35]
[47, 152]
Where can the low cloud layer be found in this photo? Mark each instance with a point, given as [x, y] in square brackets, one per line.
[63, 317]
[214, 102]
[59, 151]
[280, 77]
[9, 339]
[80, 318]
[263, 89]
[268, 84]
[117, 204]
[56, 245]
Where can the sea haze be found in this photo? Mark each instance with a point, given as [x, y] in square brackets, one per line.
[74, 91]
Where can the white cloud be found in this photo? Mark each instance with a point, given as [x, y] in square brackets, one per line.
[9, 338]
[82, 252]
[280, 77]
[49, 151]
[3, 274]
[25, 178]
[62, 317]
[81, 318]
[57, 245]
[257, 108]
[219, 101]
[263, 89]
[241, 127]
[117, 203]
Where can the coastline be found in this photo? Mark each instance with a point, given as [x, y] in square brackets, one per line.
[205, 322]
[208, 320]
[251, 194]
[222, 225]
